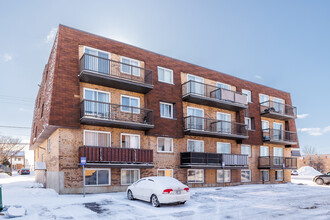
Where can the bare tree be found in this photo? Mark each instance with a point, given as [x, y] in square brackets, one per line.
[9, 146]
[308, 150]
[318, 164]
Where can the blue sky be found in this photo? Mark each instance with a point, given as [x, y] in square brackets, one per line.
[281, 44]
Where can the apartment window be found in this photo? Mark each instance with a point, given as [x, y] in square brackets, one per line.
[97, 138]
[42, 110]
[248, 93]
[196, 84]
[264, 124]
[130, 66]
[264, 151]
[195, 176]
[165, 172]
[223, 148]
[130, 104]
[248, 122]
[279, 175]
[164, 144]
[195, 146]
[246, 149]
[129, 176]
[263, 100]
[166, 110]
[97, 177]
[245, 175]
[96, 103]
[223, 176]
[223, 86]
[130, 141]
[165, 75]
[97, 60]
[264, 175]
[48, 145]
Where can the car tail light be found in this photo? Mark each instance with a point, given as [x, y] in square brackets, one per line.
[167, 191]
[187, 189]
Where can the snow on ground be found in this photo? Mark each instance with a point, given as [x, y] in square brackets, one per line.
[308, 171]
[280, 201]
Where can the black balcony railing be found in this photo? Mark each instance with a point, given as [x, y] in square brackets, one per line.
[214, 127]
[110, 72]
[277, 110]
[279, 136]
[273, 162]
[116, 114]
[212, 95]
[201, 159]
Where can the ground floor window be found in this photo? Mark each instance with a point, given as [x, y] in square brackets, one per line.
[129, 176]
[279, 175]
[195, 176]
[264, 175]
[97, 177]
[225, 174]
[245, 175]
[165, 172]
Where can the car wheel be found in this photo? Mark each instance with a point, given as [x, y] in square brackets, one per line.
[130, 195]
[154, 201]
[319, 181]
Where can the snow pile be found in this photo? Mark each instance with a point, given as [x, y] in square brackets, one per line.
[4, 175]
[13, 212]
[308, 171]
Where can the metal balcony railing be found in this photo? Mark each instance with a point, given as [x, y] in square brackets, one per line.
[277, 110]
[273, 162]
[279, 136]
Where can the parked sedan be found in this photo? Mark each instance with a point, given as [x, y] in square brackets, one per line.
[294, 172]
[159, 190]
[322, 179]
[24, 171]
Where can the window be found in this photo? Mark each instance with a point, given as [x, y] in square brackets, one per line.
[130, 141]
[221, 174]
[48, 145]
[97, 177]
[195, 146]
[164, 144]
[264, 124]
[223, 86]
[195, 118]
[166, 110]
[165, 75]
[278, 105]
[248, 93]
[129, 176]
[130, 66]
[263, 99]
[130, 104]
[96, 103]
[97, 60]
[223, 148]
[264, 175]
[165, 172]
[224, 123]
[248, 122]
[279, 175]
[264, 151]
[97, 138]
[245, 175]
[195, 176]
[246, 149]
[195, 84]
[42, 110]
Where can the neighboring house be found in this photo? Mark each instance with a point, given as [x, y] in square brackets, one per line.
[134, 113]
[320, 162]
[17, 161]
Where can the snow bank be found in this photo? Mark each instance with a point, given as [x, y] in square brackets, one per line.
[13, 212]
[4, 175]
[308, 171]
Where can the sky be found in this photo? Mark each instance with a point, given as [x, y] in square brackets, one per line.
[281, 44]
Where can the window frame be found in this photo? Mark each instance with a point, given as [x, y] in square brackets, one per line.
[261, 175]
[219, 142]
[172, 109]
[130, 59]
[263, 121]
[130, 97]
[164, 142]
[165, 171]
[121, 179]
[96, 90]
[109, 171]
[249, 125]
[248, 93]
[194, 141]
[225, 84]
[95, 131]
[165, 69]
[250, 176]
[195, 174]
[224, 170]
[121, 140]
[260, 95]
[276, 175]
[247, 145]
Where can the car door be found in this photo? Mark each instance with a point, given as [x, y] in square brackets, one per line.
[146, 189]
[137, 189]
[326, 178]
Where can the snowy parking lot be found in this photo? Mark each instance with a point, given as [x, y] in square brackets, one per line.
[299, 200]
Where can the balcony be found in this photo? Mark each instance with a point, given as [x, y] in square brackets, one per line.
[276, 110]
[275, 136]
[199, 126]
[116, 157]
[213, 160]
[209, 95]
[105, 72]
[277, 162]
[113, 115]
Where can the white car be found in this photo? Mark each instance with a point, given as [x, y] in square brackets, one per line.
[159, 190]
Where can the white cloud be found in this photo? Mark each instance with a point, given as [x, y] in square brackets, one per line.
[302, 116]
[7, 57]
[51, 35]
[258, 76]
[315, 131]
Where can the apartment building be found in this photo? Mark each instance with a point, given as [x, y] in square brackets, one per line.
[134, 113]
[320, 162]
[17, 161]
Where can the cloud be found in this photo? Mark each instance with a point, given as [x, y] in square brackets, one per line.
[302, 116]
[315, 131]
[258, 76]
[7, 57]
[51, 35]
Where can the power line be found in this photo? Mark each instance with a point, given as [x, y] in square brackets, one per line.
[5, 126]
